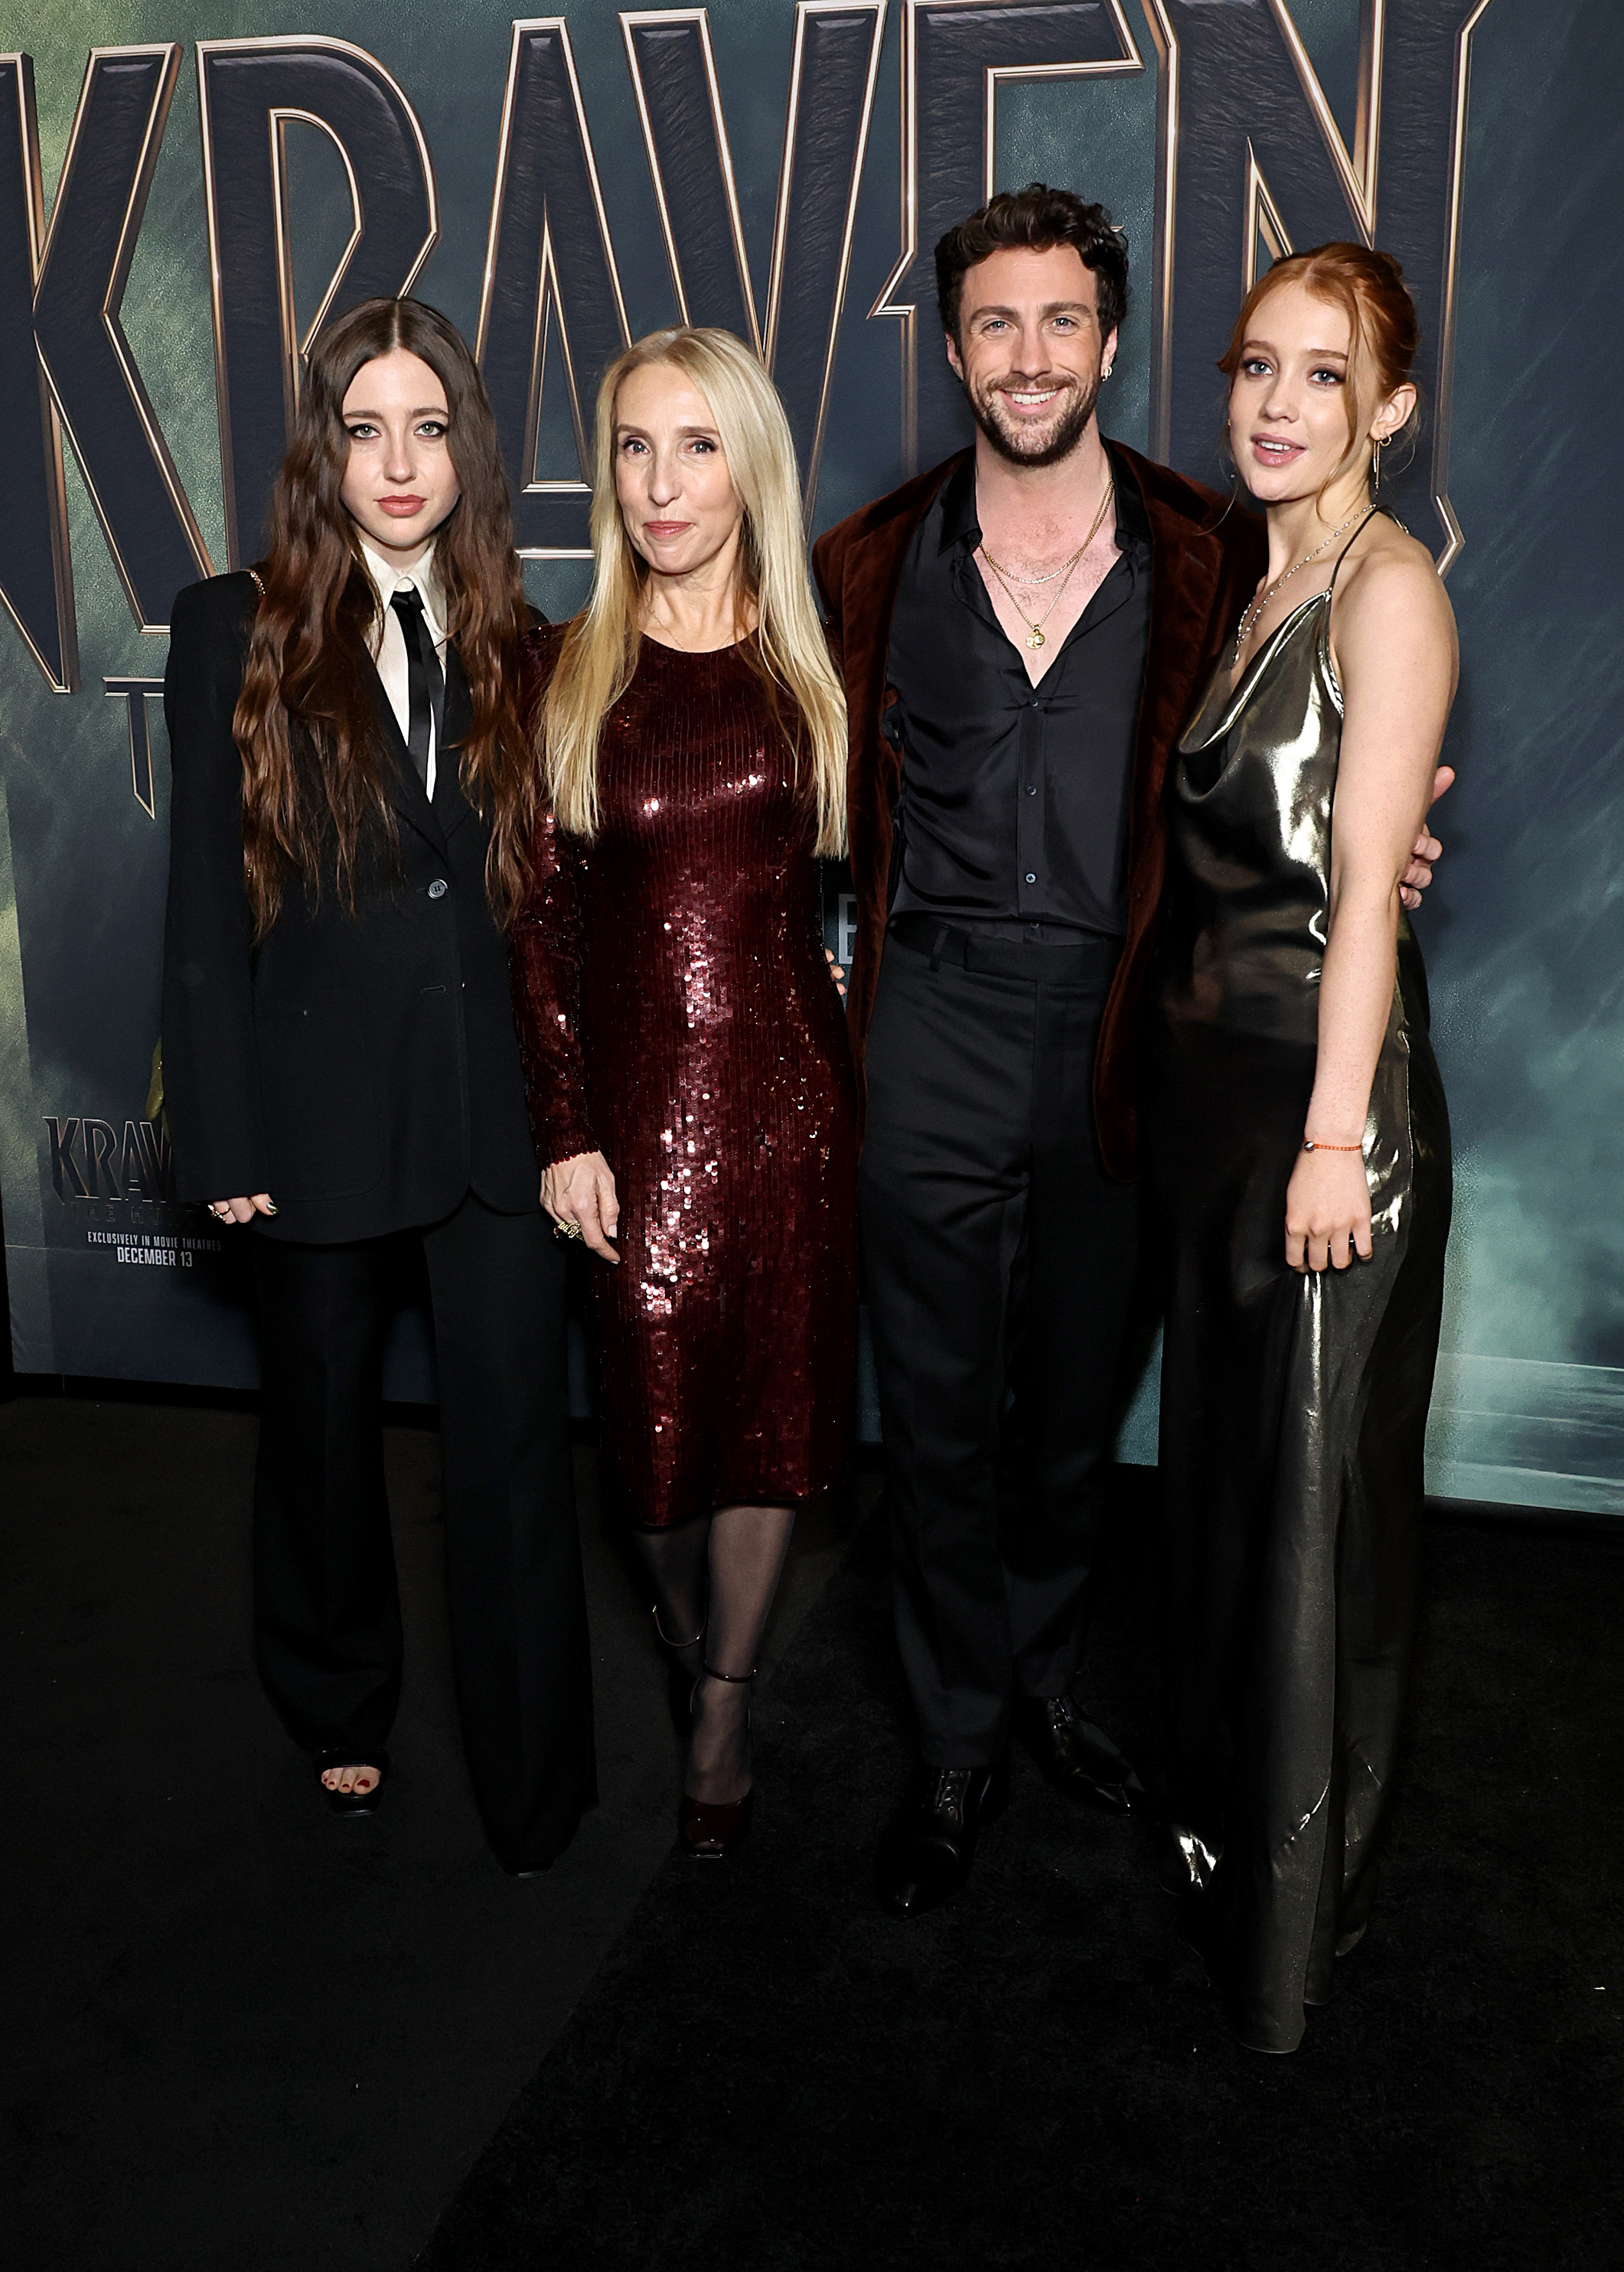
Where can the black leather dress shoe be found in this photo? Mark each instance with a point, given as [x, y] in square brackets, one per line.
[1076, 1757]
[930, 1843]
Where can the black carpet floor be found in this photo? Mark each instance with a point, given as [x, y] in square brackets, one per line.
[768, 2073]
[237, 2033]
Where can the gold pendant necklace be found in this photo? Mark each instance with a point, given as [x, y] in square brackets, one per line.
[1034, 636]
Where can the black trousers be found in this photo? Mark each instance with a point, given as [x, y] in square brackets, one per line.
[999, 1261]
[326, 1608]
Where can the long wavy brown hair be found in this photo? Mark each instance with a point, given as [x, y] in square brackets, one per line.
[312, 799]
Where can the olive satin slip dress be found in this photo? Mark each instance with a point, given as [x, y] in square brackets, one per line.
[1293, 1407]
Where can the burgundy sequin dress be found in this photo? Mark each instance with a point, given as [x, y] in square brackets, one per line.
[675, 1013]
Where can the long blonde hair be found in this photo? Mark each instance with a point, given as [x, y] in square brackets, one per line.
[599, 653]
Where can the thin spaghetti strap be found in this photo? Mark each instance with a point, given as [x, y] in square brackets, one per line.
[1349, 546]
[1329, 595]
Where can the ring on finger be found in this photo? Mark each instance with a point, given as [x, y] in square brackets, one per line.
[567, 1230]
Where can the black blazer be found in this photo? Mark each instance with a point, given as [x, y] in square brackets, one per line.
[360, 1068]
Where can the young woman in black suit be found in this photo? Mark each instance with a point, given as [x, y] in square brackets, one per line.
[353, 799]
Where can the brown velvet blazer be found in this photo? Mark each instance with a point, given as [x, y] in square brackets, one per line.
[1205, 564]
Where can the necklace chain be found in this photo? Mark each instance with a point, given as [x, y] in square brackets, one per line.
[1263, 598]
[1034, 580]
[1034, 636]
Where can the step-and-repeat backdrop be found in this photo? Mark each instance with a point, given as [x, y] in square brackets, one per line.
[188, 187]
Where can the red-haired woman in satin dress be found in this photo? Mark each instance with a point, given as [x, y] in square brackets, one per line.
[1299, 1145]
[691, 1084]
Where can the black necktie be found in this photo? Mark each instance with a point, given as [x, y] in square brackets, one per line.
[425, 681]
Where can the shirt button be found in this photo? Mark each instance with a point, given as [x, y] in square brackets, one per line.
[1031, 878]
[1031, 789]
[438, 888]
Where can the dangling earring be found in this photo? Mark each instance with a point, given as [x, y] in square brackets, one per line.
[1377, 447]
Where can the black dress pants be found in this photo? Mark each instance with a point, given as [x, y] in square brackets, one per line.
[999, 1261]
[327, 1611]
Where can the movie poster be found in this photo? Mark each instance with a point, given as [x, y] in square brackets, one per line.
[188, 187]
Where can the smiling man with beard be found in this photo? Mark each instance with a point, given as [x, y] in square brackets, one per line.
[1021, 631]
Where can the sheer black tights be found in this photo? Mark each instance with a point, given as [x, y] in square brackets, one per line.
[713, 1581]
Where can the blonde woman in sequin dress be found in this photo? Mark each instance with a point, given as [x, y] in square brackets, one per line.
[690, 1085]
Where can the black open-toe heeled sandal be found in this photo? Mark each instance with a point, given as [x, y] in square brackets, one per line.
[352, 1801]
[711, 1832]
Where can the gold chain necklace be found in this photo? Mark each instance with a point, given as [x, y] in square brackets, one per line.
[1031, 583]
[1034, 636]
[1263, 598]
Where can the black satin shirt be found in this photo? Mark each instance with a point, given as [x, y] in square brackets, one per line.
[1013, 821]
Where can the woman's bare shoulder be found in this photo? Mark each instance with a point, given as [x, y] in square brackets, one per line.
[1392, 578]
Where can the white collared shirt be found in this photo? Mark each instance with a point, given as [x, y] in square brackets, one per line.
[389, 652]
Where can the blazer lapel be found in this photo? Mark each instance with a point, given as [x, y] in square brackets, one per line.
[450, 808]
[1185, 563]
[1185, 583]
[872, 572]
[1201, 563]
[402, 787]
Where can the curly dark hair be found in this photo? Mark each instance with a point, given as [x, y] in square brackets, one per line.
[1035, 218]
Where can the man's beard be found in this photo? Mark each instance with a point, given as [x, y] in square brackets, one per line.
[1011, 443]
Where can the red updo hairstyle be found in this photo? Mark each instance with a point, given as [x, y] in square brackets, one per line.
[1383, 334]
